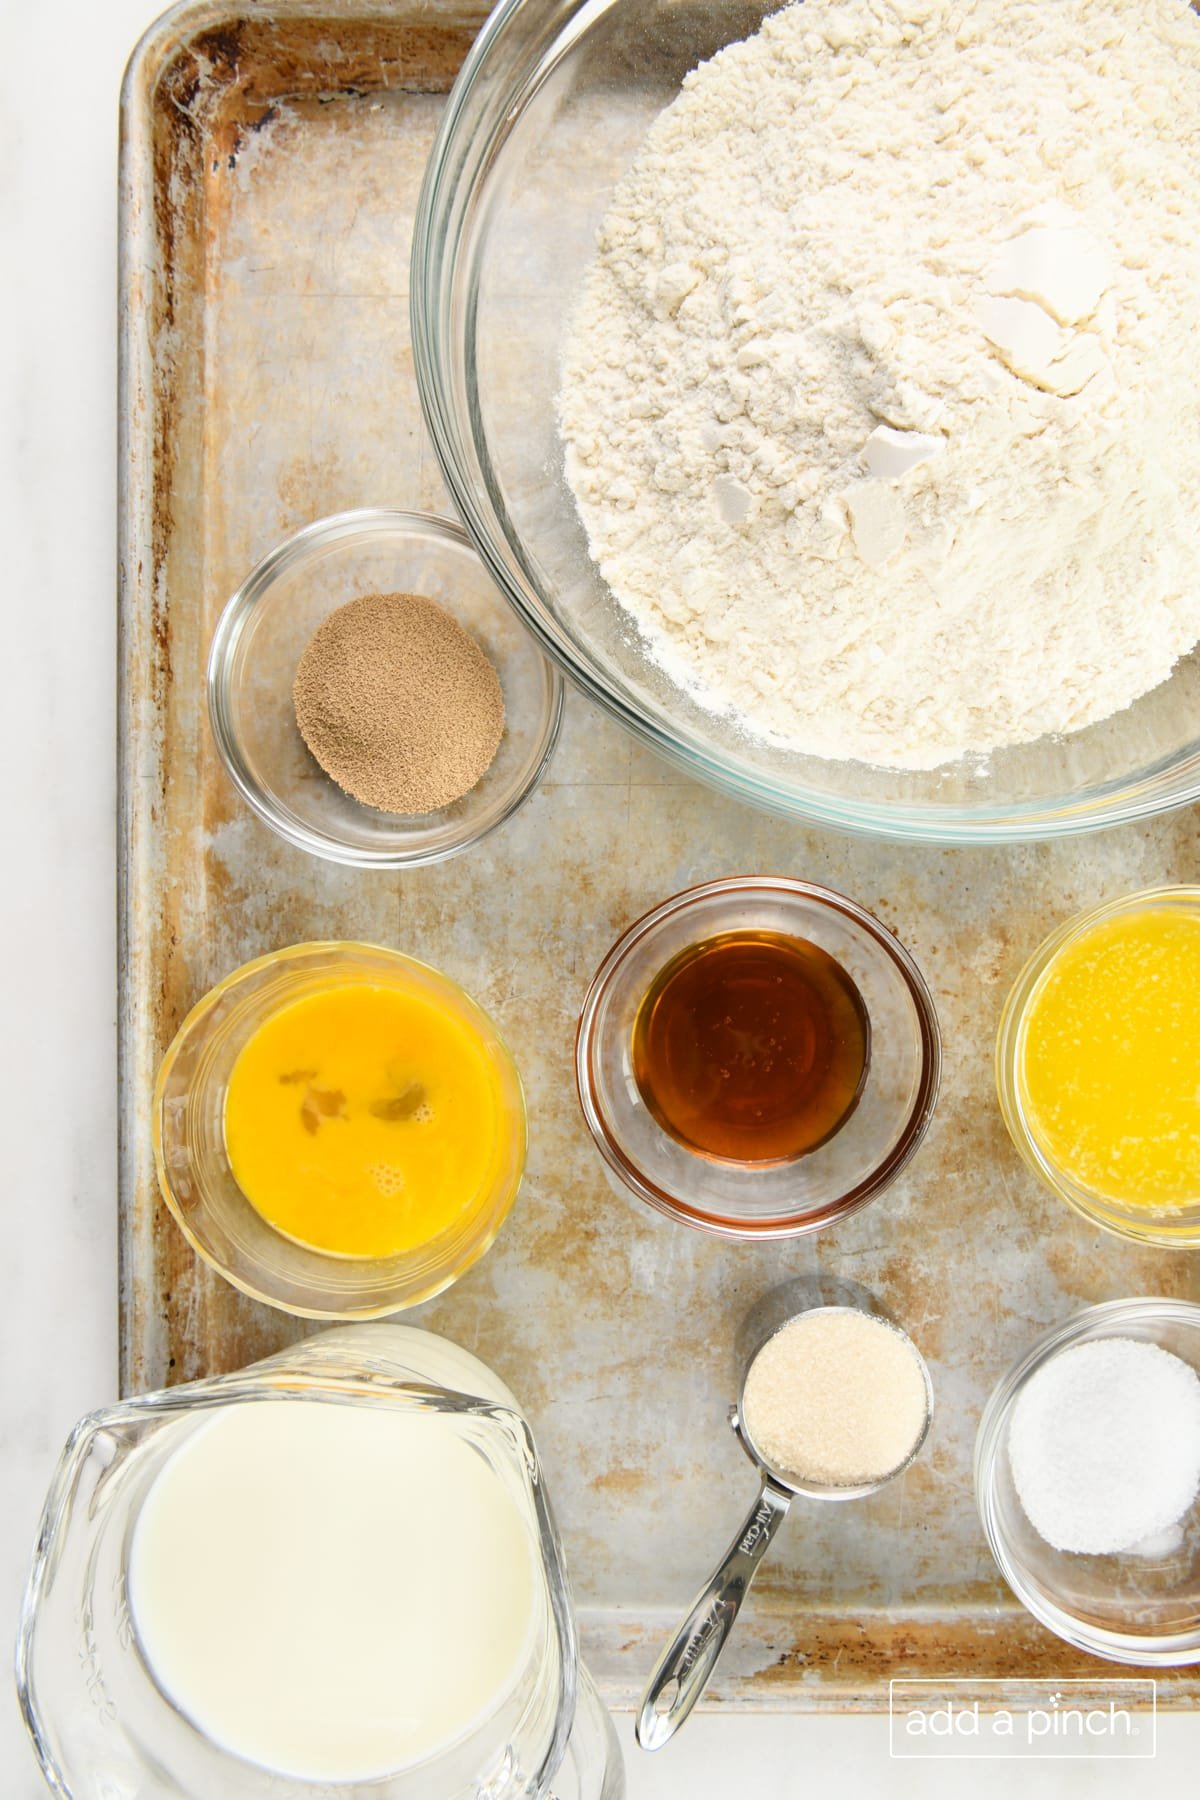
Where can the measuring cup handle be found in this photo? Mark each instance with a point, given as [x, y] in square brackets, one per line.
[683, 1670]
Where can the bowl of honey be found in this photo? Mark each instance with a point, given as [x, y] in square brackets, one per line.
[757, 1057]
[1096, 1064]
[339, 1130]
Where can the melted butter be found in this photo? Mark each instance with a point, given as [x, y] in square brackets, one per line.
[1111, 1060]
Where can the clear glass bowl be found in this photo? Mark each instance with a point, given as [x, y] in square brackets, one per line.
[1142, 1609]
[1181, 1224]
[765, 1200]
[210, 1208]
[544, 119]
[262, 634]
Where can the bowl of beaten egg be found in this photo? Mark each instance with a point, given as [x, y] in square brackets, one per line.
[339, 1130]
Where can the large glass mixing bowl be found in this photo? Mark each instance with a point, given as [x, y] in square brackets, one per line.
[545, 117]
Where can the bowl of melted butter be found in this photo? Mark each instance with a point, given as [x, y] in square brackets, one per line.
[1096, 1059]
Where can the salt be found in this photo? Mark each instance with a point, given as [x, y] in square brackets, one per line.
[1104, 1445]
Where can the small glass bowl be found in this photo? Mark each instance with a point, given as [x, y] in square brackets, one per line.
[766, 1200]
[197, 1182]
[1180, 1225]
[1132, 1608]
[257, 646]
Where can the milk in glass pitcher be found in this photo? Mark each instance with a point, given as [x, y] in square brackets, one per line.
[332, 1575]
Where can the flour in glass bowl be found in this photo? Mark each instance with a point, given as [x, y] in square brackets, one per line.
[880, 400]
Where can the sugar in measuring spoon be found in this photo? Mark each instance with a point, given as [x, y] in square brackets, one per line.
[835, 1401]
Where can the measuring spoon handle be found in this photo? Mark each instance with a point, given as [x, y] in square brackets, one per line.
[683, 1670]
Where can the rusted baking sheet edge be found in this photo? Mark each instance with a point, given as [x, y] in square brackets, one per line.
[778, 1655]
[195, 77]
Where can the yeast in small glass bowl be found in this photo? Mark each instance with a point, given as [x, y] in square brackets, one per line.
[786, 1198]
[197, 1180]
[547, 114]
[257, 646]
[1141, 1608]
[1179, 1224]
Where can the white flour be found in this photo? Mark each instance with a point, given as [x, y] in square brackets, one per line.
[880, 401]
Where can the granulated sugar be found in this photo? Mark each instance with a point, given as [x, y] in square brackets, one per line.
[1105, 1445]
[836, 1398]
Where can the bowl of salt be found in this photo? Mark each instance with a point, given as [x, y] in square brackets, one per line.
[1087, 1477]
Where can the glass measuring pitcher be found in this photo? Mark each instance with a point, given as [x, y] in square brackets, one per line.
[102, 1726]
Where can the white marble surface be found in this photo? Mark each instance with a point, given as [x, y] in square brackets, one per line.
[59, 84]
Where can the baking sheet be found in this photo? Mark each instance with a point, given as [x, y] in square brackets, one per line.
[271, 160]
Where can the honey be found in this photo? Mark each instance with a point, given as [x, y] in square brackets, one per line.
[751, 1047]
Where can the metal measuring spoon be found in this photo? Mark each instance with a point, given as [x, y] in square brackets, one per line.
[683, 1670]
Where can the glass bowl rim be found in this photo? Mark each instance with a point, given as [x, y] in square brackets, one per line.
[196, 1015]
[783, 1225]
[336, 529]
[471, 132]
[1146, 1650]
[1111, 1215]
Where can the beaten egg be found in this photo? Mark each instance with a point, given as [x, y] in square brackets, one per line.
[365, 1120]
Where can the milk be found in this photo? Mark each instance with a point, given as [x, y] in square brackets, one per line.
[333, 1592]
